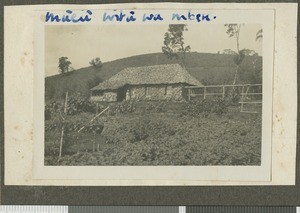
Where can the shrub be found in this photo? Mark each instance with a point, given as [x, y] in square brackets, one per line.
[139, 131]
[233, 96]
[75, 106]
[73, 140]
[53, 107]
[159, 106]
[217, 105]
[122, 108]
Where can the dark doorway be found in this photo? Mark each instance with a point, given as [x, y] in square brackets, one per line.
[121, 94]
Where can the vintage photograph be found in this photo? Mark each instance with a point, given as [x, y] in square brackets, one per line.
[153, 95]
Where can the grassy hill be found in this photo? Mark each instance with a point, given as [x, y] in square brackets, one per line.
[208, 68]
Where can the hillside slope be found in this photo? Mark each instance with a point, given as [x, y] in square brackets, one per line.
[206, 67]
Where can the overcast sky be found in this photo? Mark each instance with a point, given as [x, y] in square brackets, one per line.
[82, 43]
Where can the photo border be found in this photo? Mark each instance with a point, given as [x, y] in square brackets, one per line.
[161, 174]
[197, 195]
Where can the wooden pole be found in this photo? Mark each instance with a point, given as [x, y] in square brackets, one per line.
[204, 95]
[63, 127]
[97, 108]
[61, 140]
[242, 103]
[223, 94]
[66, 102]
[189, 93]
[94, 143]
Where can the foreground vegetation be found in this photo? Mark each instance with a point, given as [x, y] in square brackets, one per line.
[156, 133]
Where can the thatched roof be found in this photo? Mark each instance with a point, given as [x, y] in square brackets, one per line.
[149, 75]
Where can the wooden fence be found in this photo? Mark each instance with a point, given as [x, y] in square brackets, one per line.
[246, 94]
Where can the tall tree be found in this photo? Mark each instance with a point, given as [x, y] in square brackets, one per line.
[233, 30]
[174, 43]
[64, 65]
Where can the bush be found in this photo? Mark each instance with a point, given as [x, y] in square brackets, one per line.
[75, 106]
[53, 107]
[217, 105]
[156, 106]
[122, 108]
[233, 96]
[73, 140]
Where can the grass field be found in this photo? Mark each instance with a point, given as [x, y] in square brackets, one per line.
[160, 136]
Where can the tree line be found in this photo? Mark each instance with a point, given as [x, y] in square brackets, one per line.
[64, 64]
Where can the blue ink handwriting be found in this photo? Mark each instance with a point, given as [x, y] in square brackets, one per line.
[154, 17]
[191, 16]
[119, 16]
[129, 16]
[69, 17]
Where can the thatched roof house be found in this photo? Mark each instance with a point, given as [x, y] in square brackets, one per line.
[158, 82]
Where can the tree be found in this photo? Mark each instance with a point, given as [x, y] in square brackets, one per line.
[233, 30]
[174, 43]
[64, 65]
[96, 63]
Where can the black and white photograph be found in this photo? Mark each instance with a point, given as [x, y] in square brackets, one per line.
[153, 95]
[159, 94]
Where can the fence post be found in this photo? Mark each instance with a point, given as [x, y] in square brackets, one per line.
[242, 102]
[223, 95]
[63, 126]
[66, 102]
[97, 108]
[189, 93]
[204, 95]
[94, 142]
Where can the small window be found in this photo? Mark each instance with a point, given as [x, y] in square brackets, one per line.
[97, 93]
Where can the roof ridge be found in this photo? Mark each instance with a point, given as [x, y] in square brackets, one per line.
[154, 74]
[153, 66]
